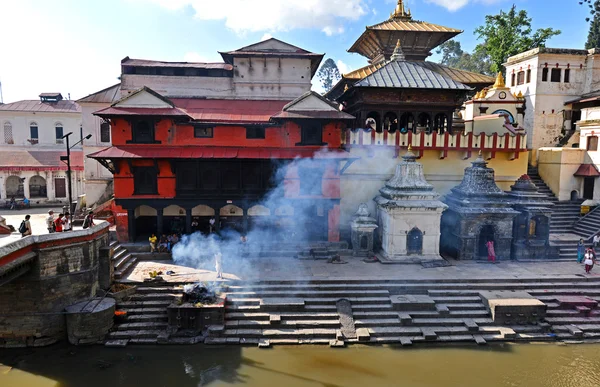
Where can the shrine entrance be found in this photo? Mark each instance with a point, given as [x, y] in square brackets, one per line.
[486, 234]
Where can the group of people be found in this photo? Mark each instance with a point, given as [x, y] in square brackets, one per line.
[164, 244]
[587, 255]
[14, 205]
[61, 223]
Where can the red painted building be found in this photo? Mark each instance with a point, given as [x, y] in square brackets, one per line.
[179, 161]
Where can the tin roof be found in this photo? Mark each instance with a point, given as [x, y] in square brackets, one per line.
[130, 111]
[64, 106]
[587, 170]
[30, 160]
[229, 111]
[409, 75]
[109, 95]
[156, 63]
[207, 152]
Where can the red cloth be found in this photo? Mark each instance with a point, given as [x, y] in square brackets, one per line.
[58, 226]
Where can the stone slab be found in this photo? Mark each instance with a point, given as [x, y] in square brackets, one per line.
[471, 325]
[510, 307]
[337, 344]
[575, 331]
[412, 302]
[275, 319]
[405, 319]
[262, 343]
[574, 301]
[363, 334]
[405, 341]
[429, 334]
[282, 304]
[116, 343]
[442, 310]
[479, 340]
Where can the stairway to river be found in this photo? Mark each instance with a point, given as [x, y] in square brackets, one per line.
[308, 312]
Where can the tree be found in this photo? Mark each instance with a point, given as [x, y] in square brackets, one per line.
[507, 34]
[329, 74]
[454, 56]
[593, 39]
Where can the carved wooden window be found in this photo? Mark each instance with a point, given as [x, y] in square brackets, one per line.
[311, 134]
[142, 132]
[567, 75]
[200, 132]
[520, 77]
[414, 241]
[145, 181]
[105, 131]
[528, 75]
[545, 74]
[512, 79]
[33, 133]
[58, 129]
[255, 132]
[555, 75]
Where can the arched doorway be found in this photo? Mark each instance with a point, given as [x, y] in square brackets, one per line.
[390, 122]
[14, 187]
[145, 222]
[373, 121]
[259, 217]
[174, 219]
[37, 187]
[440, 123]
[232, 218]
[486, 234]
[407, 121]
[414, 242]
[423, 122]
[201, 216]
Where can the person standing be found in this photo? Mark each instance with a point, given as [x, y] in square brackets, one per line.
[580, 251]
[67, 222]
[58, 223]
[211, 225]
[219, 264]
[25, 227]
[491, 251]
[596, 240]
[13, 203]
[50, 222]
[589, 261]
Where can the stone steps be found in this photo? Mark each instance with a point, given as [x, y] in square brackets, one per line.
[156, 297]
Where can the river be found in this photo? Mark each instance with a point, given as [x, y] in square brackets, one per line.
[533, 365]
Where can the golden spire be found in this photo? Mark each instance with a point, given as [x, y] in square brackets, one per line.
[520, 95]
[499, 81]
[399, 12]
[409, 147]
[346, 87]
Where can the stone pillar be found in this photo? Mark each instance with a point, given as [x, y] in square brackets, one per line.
[188, 220]
[50, 192]
[333, 226]
[218, 220]
[105, 267]
[159, 221]
[3, 177]
[245, 220]
[26, 192]
[131, 225]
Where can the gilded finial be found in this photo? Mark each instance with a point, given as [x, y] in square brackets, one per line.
[479, 154]
[399, 12]
[346, 87]
[499, 81]
[409, 147]
[520, 95]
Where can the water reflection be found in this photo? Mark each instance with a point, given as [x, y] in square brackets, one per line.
[547, 365]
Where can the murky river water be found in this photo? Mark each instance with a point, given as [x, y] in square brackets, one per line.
[546, 365]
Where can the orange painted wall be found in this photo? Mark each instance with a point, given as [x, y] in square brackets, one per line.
[168, 133]
[334, 224]
[123, 181]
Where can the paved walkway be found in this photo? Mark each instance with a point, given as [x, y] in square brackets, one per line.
[293, 269]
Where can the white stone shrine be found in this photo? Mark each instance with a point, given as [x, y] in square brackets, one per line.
[409, 214]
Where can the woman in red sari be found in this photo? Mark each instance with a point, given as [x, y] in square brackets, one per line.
[491, 251]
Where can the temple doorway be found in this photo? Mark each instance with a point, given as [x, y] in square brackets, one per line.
[588, 187]
[486, 234]
[414, 242]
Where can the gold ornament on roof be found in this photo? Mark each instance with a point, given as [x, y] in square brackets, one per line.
[499, 81]
[346, 87]
[399, 12]
[520, 95]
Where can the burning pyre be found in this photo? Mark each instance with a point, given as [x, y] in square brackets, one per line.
[201, 294]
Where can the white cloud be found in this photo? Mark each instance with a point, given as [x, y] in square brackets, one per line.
[274, 15]
[454, 5]
[343, 67]
[266, 36]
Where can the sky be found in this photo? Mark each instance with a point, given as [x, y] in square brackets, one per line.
[75, 47]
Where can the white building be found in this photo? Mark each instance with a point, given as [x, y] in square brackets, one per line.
[31, 146]
[548, 78]
[268, 70]
[98, 180]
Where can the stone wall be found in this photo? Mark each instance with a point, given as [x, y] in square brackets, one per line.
[64, 272]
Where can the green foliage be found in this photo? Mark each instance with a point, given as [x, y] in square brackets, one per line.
[329, 74]
[593, 39]
[454, 56]
[507, 34]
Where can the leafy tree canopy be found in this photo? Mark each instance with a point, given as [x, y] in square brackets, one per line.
[509, 33]
[329, 74]
[454, 56]
[593, 39]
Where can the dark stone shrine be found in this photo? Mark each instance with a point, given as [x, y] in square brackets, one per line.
[478, 211]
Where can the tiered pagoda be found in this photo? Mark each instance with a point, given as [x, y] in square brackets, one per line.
[399, 89]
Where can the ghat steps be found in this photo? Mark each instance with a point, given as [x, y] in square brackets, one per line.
[458, 315]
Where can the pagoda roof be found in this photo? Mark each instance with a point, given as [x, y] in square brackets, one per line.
[409, 75]
[417, 37]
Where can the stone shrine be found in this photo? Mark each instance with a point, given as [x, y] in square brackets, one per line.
[363, 227]
[409, 215]
[531, 228]
[478, 211]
